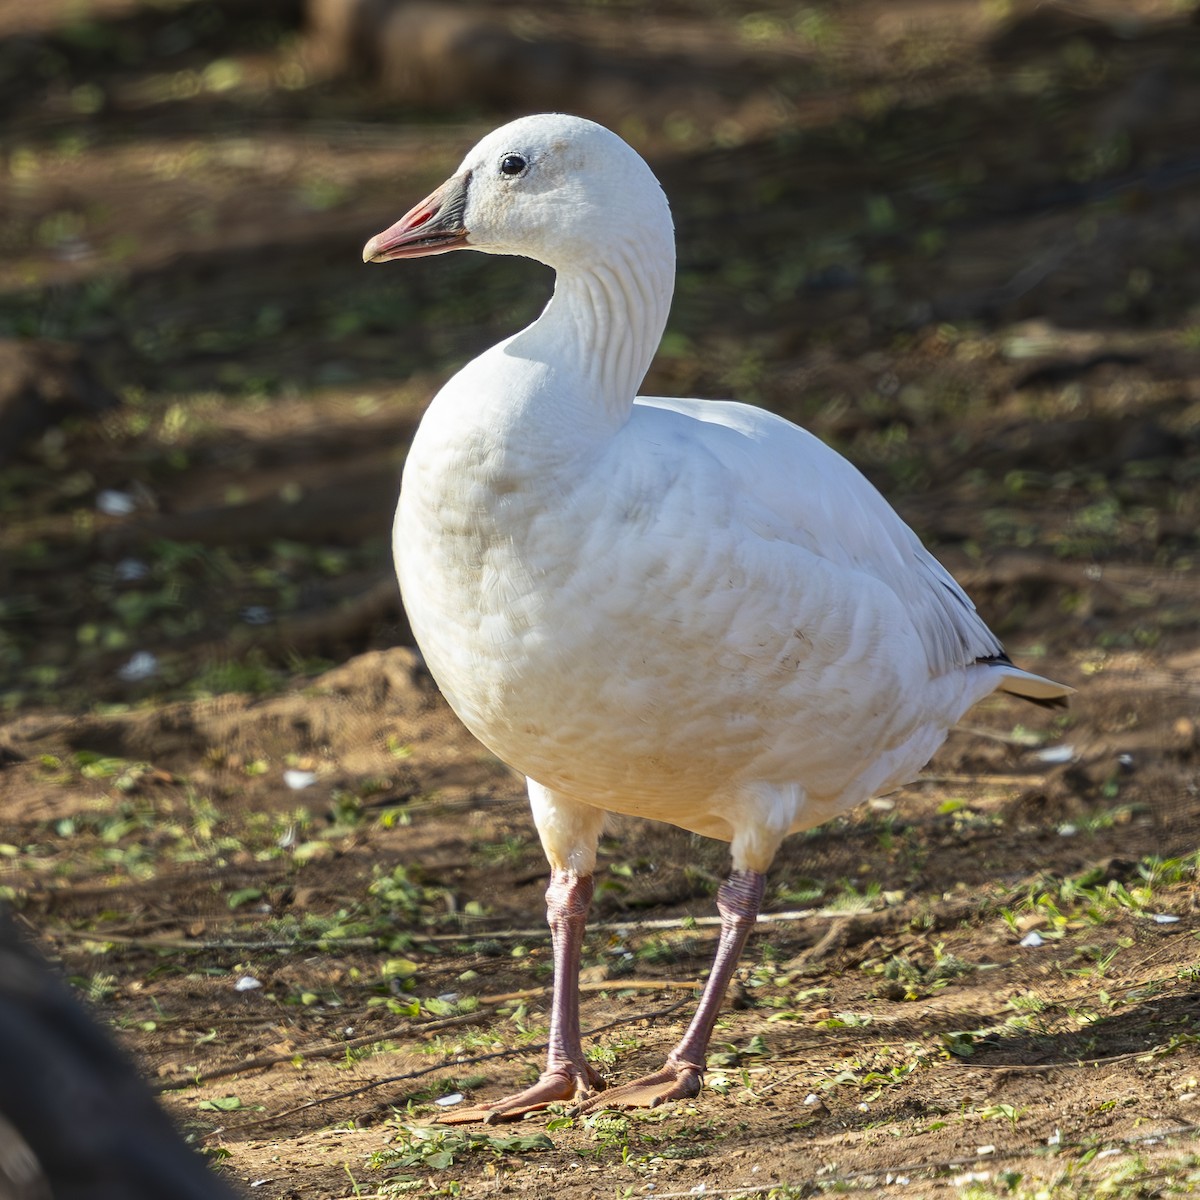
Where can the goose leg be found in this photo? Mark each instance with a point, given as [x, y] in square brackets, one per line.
[738, 902]
[568, 1075]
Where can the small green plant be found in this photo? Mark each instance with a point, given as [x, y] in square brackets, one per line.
[226, 1104]
[1003, 1112]
[101, 987]
[433, 1149]
[851, 899]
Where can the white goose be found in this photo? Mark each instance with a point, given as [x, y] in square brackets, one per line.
[688, 610]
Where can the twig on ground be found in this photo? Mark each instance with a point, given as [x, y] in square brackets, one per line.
[1017, 778]
[336, 1049]
[1129, 1056]
[322, 1050]
[350, 1093]
[368, 943]
[192, 944]
[601, 985]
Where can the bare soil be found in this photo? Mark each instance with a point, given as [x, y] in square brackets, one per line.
[956, 242]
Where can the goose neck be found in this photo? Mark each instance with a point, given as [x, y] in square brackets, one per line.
[605, 321]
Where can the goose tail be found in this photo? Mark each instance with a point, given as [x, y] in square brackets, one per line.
[1037, 689]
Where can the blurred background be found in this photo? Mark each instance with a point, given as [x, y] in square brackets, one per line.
[955, 237]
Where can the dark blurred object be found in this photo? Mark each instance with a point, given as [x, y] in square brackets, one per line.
[443, 57]
[439, 55]
[42, 383]
[77, 1122]
[1106, 443]
[446, 56]
[1033, 26]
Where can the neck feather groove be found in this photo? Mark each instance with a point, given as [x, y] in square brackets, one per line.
[604, 323]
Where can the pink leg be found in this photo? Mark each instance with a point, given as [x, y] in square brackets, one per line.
[568, 1075]
[738, 902]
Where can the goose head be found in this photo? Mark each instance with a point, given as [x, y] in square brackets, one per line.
[559, 189]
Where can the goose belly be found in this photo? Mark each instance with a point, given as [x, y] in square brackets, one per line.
[646, 672]
[544, 668]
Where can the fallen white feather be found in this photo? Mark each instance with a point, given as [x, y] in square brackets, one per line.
[130, 570]
[115, 504]
[971, 1177]
[1055, 754]
[143, 665]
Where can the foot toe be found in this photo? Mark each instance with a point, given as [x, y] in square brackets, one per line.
[674, 1082]
[477, 1114]
[553, 1086]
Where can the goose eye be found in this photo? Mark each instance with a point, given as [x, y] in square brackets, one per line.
[512, 164]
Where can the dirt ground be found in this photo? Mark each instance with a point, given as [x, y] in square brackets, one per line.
[956, 240]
